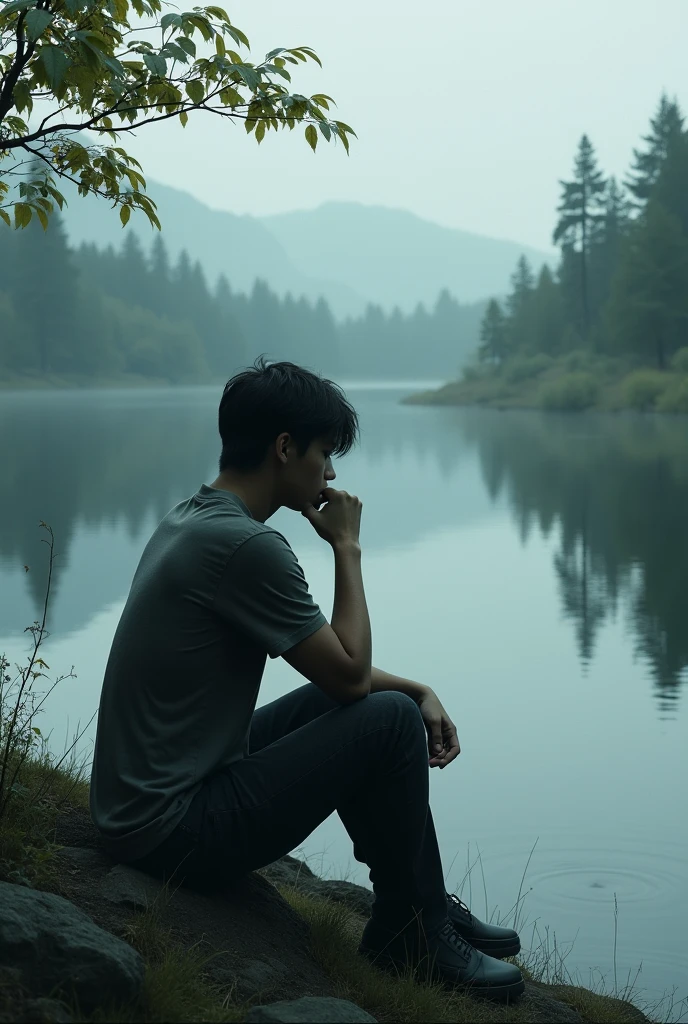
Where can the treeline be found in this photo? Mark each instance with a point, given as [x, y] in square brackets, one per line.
[621, 286]
[106, 312]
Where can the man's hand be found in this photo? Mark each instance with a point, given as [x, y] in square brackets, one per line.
[443, 743]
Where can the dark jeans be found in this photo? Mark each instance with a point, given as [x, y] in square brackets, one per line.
[309, 756]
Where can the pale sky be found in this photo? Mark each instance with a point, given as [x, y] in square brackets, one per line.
[467, 113]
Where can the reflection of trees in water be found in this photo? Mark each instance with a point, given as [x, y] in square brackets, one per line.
[617, 488]
[78, 461]
[95, 460]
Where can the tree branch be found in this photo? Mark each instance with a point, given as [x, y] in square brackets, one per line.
[21, 59]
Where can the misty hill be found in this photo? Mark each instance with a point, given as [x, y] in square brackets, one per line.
[396, 258]
[238, 246]
[346, 252]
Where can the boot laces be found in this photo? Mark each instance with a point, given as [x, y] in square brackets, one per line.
[455, 899]
[463, 948]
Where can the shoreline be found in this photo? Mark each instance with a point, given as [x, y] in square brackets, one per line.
[592, 386]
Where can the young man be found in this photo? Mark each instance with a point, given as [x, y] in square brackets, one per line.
[188, 778]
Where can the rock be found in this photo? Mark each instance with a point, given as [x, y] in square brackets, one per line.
[260, 947]
[320, 1011]
[258, 976]
[45, 1011]
[542, 1007]
[79, 857]
[129, 887]
[289, 871]
[57, 948]
[355, 897]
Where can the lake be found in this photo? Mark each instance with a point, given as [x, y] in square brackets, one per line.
[532, 568]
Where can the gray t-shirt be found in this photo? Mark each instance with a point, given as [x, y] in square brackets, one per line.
[215, 592]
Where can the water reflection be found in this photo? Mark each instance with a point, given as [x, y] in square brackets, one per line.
[102, 468]
[617, 489]
[112, 464]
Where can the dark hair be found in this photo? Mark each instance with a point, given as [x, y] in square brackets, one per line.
[261, 402]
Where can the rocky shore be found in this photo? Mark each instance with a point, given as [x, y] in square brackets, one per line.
[67, 951]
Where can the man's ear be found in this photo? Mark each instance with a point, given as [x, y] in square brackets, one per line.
[282, 444]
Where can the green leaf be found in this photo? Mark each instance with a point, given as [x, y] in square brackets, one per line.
[186, 44]
[156, 64]
[113, 65]
[342, 136]
[325, 129]
[22, 215]
[251, 77]
[238, 37]
[6, 217]
[195, 90]
[183, 117]
[43, 218]
[175, 52]
[55, 63]
[170, 19]
[311, 53]
[311, 136]
[230, 97]
[260, 131]
[18, 5]
[36, 22]
[124, 214]
[22, 95]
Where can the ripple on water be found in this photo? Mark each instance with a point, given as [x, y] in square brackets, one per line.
[595, 875]
[570, 886]
[566, 868]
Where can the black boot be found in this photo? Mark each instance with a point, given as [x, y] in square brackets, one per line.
[488, 938]
[443, 956]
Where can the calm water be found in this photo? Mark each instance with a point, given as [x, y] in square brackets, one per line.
[532, 569]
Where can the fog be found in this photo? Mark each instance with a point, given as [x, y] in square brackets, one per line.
[466, 113]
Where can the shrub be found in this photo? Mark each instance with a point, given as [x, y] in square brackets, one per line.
[675, 397]
[680, 361]
[526, 367]
[571, 392]
[473, 371]
[641, 389]
[577, 360]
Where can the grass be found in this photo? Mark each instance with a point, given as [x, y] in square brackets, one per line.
[35, 787]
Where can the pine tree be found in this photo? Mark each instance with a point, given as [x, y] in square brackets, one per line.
[608, 236]
[665, 125]
[547, 314]
[45, 294]
[580, 210]
[132, 277]
[671, 186]
[519, 306]
[648, 308]
[493, 335]
[159, 290]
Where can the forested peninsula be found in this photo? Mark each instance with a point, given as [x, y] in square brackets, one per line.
[609, 329]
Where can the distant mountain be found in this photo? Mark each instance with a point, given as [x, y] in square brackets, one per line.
[349, 253]
[238, 246]
[395, 257]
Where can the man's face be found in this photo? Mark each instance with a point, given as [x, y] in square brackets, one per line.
[310, 474]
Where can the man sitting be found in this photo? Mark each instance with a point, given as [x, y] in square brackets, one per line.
[190, 779]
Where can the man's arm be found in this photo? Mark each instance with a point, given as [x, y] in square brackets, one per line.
[386, 681]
